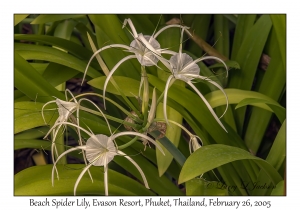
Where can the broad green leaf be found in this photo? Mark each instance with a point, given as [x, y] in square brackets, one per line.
[273, 85]
[52, 18]
[30, 82]
[248, 57]
[32, 133]
[200, 27]
[67, 45]
[28, 115]
[236, 96]
[18, 18]
[276, 158]
[178, 156]
[280, 189]
[279, 24]
[277, 153]
[64, 29]
[32, 143]
[230, 64]
[271, 106]
[202, 187]
[130, 87]
[244, 24]
[35, 52]
[213, 156]
[36, 180]
[160, 185]
[232, 18]
[39, 67]
[56, 74]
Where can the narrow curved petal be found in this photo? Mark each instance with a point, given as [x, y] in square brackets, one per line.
[137, 167]
[206, 58]
[98, 51]
[111, 73]
[80, 176]
[68, 123]
[165, 51]
[134, 33]
[50, 102]
[68, 91]
[147, 44]
[165, 97]
[220, 88]
[172, 26]
[61, 155]
[84, 99]
[137, 134]
[207, 104]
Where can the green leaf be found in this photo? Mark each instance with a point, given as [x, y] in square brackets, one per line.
[32, 143]
[130, 87]
[229, 63]
[35, 52]
[33, 133]
[56, 74]
[279, 189]
[36, 180]
[52, 18]
[279, 24]
[30, 82]
[67, 45]
[272, 106]
[273, 85]
[243, 98]
[276, 158]
[28, 115]
[19, 18]
[244, 24]
[248, 57]
[213, 156]
[202, 187]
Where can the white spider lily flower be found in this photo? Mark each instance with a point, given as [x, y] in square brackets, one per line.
[184, 68]
[146, 50]
[65, 111]
[100, 150]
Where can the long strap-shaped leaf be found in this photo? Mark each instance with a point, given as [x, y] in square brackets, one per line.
[212, 156]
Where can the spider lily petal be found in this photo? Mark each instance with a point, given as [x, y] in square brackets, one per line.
[137, 167]
[207, 104]
[111, 73]
[98, 51]
[60, 156]
[100, 150]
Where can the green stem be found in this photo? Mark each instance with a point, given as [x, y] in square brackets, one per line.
[145, 102]
[128, 143]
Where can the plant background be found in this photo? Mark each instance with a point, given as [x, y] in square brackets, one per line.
[295, 40]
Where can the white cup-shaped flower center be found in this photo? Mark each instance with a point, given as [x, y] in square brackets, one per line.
[143, 54]
[100, 150]
[180, 65]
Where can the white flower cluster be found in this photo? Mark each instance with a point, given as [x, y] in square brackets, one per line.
[100, 149]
